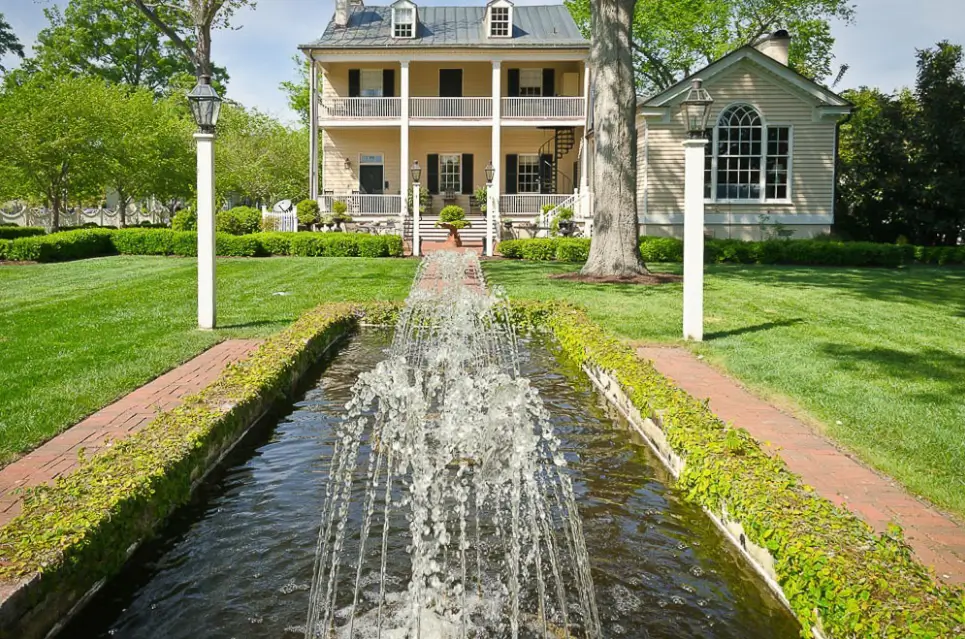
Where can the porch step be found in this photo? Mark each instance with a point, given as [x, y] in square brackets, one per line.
[475, 233]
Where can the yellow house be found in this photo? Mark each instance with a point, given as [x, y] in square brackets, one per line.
[771, 154]
[459, 90]
[454, 89]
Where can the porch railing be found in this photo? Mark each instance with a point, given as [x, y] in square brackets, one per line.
[363, 204]
[470, 108]
[350, 108]
[544, 108]
[528, 204]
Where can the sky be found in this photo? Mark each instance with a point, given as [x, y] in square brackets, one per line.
[879, 47]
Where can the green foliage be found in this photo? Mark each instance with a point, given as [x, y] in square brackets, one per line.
[902, 156]
[835, 571]
[481, 194]
[185, 220]
[136, 241]
[78, 530]
[13, 232]
[299, 91]
[672, 40]
[274, 242]
[4, 247]
[307, 212]
[454, 216]
[803, 252]
[241, 220]
[8, 41]
[339, 213]
[345, 245]
[60, 247]
[564, 213]
[237, 245]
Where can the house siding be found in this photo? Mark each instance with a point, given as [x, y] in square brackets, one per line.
[661, 163]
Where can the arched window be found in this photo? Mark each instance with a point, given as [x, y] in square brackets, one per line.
[747, 160]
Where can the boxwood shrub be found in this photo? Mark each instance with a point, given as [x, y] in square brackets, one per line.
[345, 245]
[4, 245]
[837, 573]
[58, 247]
[241, 220]
[720, 251]
[275, 242]
[13, 232]
[136, 241]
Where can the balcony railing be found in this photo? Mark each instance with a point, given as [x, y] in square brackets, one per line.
[363, 204]
[466, 108]
[528, 204]
[354, 108]
[544, 108]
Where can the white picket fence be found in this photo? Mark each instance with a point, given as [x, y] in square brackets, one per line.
[279, 220]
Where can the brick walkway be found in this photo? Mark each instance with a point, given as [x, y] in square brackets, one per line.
[127, 415]
[937, 540]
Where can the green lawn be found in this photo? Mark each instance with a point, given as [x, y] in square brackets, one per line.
[875, 357]
[78, 335]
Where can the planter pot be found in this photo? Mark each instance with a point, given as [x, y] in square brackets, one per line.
[453, 241]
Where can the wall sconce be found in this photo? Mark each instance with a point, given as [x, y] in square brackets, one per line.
[348, 163]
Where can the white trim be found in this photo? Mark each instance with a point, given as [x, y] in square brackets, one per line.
[761, 59]
[499, 4]
[739, 219]
[478, 53]
[405, 5]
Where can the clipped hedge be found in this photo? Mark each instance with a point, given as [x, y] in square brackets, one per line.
[136, 241]
[791, 252]
[13, 232]
[59, 247]
[837, 574]
[241, 220]
[345, 245]
[4, 247]
[78, 530]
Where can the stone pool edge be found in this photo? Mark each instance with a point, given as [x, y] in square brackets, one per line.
[75, 535]
[837, 576]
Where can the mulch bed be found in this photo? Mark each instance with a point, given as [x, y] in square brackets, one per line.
[652, 279]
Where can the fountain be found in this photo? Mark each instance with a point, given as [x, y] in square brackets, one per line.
[463, 457]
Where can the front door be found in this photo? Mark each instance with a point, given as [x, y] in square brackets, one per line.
[450, 83]
[371, 179]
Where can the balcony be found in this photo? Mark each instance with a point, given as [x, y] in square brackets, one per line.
[360, 109]
[564, 108]
[455, 108]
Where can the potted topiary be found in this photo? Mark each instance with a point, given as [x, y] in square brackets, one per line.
[307, 212]
[562, 223]
[339, 217]
[453, 217]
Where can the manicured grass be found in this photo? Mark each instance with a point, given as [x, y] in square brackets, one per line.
[78, 335]
[874, 356]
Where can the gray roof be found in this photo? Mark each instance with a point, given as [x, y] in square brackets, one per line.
[453, 27]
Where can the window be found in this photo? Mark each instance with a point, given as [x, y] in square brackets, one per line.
[403, 22]
[500, 25]
[371, 83]
[530, 82]
[450, 174]
[746, 160]
[527, 176]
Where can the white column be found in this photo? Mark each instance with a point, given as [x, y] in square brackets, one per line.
[694, 150]
[492, 206]
[206, 249]
[404, 139]
[585, 156]
[416, 217]
[313, 127]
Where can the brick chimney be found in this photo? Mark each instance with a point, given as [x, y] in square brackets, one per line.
[776, 45]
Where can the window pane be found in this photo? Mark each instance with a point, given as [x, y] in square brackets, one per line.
[739, 154]
[527, 176]
[499, 21]
[450, 175]
[530, 82]
[371, 83]
[778, 162]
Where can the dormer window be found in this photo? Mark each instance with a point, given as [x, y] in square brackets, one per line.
[500, 19]
[403, 19]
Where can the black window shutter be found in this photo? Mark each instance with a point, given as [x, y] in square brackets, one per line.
[545, 173]
[432, 173]
[549, 83]
[512, 76]
[512, 167]
[354, 83]
[467, 187]
[388, 83]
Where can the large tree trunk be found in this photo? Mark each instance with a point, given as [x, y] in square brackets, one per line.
[614, 251]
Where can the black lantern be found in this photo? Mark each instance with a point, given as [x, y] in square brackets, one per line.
[490, 172]
[697, 109]
[416, 172]
[205, 105]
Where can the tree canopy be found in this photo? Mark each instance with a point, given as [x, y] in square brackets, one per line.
[113, 40]
[674, 39]
[299, 92]
[902, 157]
[9, 43]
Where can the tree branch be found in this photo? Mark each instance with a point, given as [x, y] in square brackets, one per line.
[169, 32]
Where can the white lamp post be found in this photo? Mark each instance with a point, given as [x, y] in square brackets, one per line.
[696, 110]
[490, 222]
[415, 172]
[206, 107]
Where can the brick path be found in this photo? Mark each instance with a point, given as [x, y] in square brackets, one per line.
[937, 540]
[123, 417]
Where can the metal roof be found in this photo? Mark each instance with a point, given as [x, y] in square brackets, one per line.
[548, 26]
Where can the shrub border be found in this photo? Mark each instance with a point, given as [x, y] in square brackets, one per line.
[840, 578]
[74, 535]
